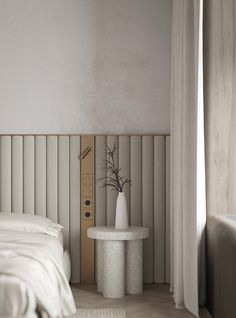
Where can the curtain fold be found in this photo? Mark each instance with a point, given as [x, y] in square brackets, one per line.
[188, 212]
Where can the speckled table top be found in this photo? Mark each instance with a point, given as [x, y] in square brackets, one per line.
[110, 233]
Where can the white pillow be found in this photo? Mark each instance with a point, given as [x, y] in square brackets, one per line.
[28, 223]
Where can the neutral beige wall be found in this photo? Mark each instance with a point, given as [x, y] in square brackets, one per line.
[220, 105]
[85, 66]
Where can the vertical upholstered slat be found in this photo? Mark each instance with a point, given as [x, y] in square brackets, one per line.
[159, 209]
[111, 195]
[43, 173]
[29, 175]
[100, 156]
[5, 173]
[17, 174]
[167, 252]
[52, 178]
[124, 164]
[148, 205]
[75, 208]
[136, 177]
[63, 187]
[40, 175]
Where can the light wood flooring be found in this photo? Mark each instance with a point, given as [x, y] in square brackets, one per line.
[154, 302]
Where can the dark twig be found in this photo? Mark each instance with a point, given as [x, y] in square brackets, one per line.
[112, 178]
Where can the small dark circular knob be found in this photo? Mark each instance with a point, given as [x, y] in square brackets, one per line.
[87, 214]
[87, 202]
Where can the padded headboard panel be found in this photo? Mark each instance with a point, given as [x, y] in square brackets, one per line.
[41, 174]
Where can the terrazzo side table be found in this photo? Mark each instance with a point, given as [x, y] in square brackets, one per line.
[119, 259]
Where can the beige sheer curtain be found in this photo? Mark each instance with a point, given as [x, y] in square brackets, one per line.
[220, 104]
[188, 213]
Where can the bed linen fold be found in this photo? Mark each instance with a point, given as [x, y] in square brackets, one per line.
[35, 264]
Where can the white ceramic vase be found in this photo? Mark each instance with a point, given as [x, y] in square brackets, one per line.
[121, 222]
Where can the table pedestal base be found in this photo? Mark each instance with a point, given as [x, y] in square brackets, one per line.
[99, 265]
[134, 266]
[114, 269]
[122, 263]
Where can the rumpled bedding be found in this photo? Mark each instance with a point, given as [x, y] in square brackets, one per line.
[32, 277]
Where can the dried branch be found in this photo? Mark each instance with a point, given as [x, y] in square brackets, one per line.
[112, 178]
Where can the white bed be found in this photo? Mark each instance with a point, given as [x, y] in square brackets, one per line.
[34, 275]
[66, 257]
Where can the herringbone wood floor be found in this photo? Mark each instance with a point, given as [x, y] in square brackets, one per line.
[154, 302]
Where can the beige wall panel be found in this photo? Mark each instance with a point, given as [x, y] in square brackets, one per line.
[45, 173]
[167, 252]
[124, 164]
[52, 178]
[17, 174]
[219, 105]
[100, 156]
[87, 210]
[5, 173]
[40, 175]
[159, 209]
[75, 208]
[136, 177]
[63, 187]
[112, 195]
[148, 205]
[29, 175]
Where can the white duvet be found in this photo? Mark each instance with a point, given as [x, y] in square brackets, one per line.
[31, 276]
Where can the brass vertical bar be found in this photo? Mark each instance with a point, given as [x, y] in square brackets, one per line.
[87, 208]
